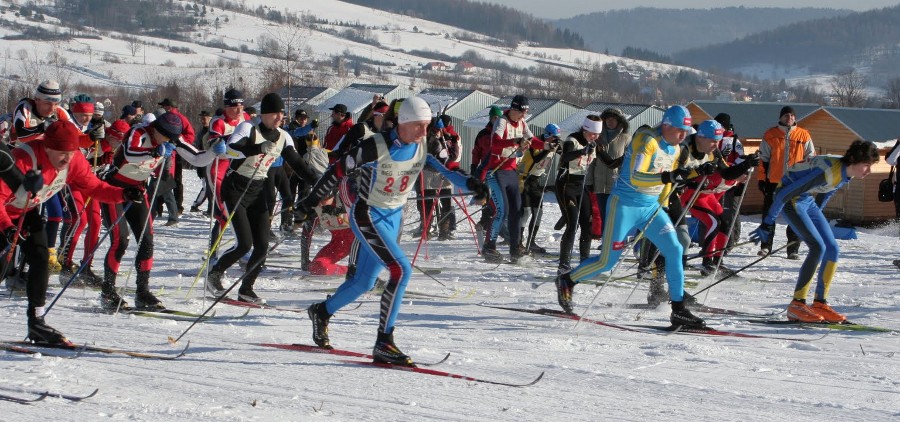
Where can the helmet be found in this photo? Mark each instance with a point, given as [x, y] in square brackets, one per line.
[551, 130]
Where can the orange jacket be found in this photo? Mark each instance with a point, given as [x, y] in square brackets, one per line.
[774, 137]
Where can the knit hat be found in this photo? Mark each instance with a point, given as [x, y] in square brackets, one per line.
[677, 116]
[249, 110]
[62, 136]
[438, 124]
[118, 129]
[271, 103]
[128, 110]
[724, 119]
[710, 129]
[414, 109]
[786, 110]
[48, 91]
[169, 125]
[233, 98]
[99, 109]
[593, 126]
[519, 102]
[82, 103]
[495, 111]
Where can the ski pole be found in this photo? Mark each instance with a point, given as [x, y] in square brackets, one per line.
[215, 302]
[11, 249]
[462, 206]
[737, 214]
[745, 267]
[86, 262]
[426, 198]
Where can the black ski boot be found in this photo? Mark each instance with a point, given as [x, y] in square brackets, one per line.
[319, 317]
[40, 332]
[564, 288]
[214, 283]
[144, 299]
[657, 293]
[682, 317]
[89, 277]
[110, 300]
[246, 294]
[490, 254]
[386, 351]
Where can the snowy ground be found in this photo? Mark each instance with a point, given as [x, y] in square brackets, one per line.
[591, 372]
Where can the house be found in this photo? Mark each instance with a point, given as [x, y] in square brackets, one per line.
[464, 67]
[436, 66]
[304, 97]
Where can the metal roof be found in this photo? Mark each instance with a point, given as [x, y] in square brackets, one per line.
[302, 93]
[376, 88]
[871, 124]
[536, 106]
[630, 110]
[752, 119]
[354, 99]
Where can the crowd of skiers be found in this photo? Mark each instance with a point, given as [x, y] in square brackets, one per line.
[66, 165]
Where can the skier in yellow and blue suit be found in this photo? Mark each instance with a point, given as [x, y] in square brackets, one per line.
[645, 181]
[803, 193]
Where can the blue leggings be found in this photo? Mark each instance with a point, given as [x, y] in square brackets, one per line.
[623, 219]
[507, 202]
[807, 221]
[53, 210]
[376, 229]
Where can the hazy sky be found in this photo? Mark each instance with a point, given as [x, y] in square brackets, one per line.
[556, 9]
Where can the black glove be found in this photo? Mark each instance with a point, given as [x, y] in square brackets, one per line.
[675, 176]
[588, 150]
[301, 214]
[314, 124]
[9, 235]
[133, 194]
[33, 181]
[707, 168]
[763, 186]
[616, 163]
[477, 187]
[752, 159]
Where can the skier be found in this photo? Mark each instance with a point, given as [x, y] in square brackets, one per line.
[648, 175]
[386, 165]
[534, 168]
[253, 147]
[574, 189]
[56, 155]
[222, 126]
[804, 190]
[144, 149]
[610, 148]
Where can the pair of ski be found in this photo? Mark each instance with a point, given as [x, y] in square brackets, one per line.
[421, 368]
[651, 329]
[844, 326]
[41, 395]
[29, 348]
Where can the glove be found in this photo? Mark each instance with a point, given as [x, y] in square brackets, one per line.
[707, 169]
[10, 235]
[165, 150]
[219, 148]
[33, 181]
[675, 176]
[763, 233]
[133, 194]
[314, 124]
[267, 148]
[616, 163]
[588, 150]
[763, 186]
[477, 187]
[301, 214]
[752, 159]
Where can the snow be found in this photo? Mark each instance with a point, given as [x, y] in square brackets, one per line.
[591, 372]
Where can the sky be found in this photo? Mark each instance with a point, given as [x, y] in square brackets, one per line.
[569, 8]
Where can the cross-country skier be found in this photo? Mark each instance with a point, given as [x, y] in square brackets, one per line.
[574, 188]
[804, 190]
[387, 165]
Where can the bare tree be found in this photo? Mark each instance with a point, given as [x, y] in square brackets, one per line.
[848, 87]
[893, 92]
[134, 45]
[30, 67]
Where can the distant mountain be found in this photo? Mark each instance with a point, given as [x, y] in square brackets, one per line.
[668, 31]
[867, 40]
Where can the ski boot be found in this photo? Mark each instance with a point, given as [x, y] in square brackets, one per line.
[657, 293]
[564, 288]
[828, 314]
[319, 317]
[144, 299]
[53, 264]
[214, 283]
[799, 311]
[40, 332]
[386, 351]
[246, 294]
[491, 255]
[110, 301]
[682, 317]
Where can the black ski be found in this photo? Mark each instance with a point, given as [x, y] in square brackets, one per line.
[68, 397]
[338, 352]
[440, 373]
[97, 349]
[21, 400]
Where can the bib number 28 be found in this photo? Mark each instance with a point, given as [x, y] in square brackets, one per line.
[389, 184]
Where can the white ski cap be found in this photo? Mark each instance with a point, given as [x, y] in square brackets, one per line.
[593, 126]
[414, 109]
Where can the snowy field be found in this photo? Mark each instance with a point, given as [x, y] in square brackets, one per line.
[591, 372]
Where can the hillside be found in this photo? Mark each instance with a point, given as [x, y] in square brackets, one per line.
[866, 40]
[267, 44]
[668, 31]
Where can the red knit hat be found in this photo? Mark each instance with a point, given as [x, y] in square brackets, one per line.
[118, 129]
[62, 136]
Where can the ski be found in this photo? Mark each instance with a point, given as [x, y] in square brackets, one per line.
[440, 373]
[845, 326]
[642, 328]
[337, 352]
[708, 331]
[21, 400]
[235, 302]
[68, 397]
[107, 350]
[703, 309]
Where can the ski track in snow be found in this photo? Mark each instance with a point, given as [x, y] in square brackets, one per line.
[591, 372]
